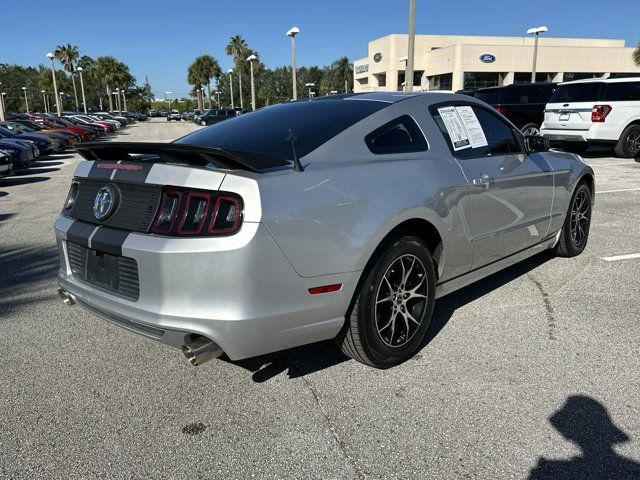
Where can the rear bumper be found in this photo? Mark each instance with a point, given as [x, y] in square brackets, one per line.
[596, 133]
[239, 291]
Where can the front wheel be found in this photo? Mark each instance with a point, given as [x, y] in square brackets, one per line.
[575, 231]
[203, 123]
[531, 129]
[393, 307]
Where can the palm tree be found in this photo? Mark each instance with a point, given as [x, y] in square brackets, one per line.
[194, 77]
[104, 72]
[68, 55]
[342, 73]
[237, 48]
[206, 67]
[636, 55]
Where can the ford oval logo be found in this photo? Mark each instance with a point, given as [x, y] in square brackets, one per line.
[104, 203]
[487, 58]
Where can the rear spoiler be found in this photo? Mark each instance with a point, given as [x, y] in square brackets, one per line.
[180, 153]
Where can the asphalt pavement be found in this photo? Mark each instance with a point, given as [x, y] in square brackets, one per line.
[531, 373]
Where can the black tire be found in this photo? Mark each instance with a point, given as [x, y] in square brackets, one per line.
[628, 145]
[365, 337]
[528, 129]
[578, 215]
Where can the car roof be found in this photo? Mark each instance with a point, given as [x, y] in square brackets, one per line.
[603, 80]
[514, 85]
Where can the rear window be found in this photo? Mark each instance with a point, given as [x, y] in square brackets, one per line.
[528, 94]
[578, 92]
[624, 91]
[401, 135]
[489, 96]
[270, 130]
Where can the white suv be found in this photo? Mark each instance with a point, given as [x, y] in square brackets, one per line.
[602, 111]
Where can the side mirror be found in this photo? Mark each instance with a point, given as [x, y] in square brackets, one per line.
[536, 143]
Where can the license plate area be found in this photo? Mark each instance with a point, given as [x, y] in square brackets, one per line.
[113, 273]
[564, 117]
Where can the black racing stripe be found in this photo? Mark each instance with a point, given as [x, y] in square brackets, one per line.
[98, 170]
[79, 232]
[139, 175]
[109, 240]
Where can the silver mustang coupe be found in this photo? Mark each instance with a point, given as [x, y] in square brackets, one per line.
[338, 217]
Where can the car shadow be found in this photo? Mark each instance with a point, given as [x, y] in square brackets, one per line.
[47, 163]
[5, 216]
[3, 194]
[22, 180]
[308, 359]
[35, 170]
[587, 423]
[57, 156]
[29, 267]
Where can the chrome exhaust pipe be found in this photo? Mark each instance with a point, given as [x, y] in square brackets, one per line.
[200, 350]
[66, 297]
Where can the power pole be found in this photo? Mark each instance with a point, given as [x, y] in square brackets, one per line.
[408, 74]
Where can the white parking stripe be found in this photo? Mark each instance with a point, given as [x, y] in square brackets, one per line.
[621, 257]
[621, 190]
[609, 164]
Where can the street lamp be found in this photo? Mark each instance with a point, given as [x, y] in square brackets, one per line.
[55, 84]
[1, 106]
[44, 100]
[292, 33]
[60, 102]
[26, 99]
[217, 93]
[535, 31]
[309, 86]
[167, 97]
[204, 96]
[251, 59]
[408, 73]
[124, 99]
[84, 100]
[230, 72]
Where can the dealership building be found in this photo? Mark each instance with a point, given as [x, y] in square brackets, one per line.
[460, 62]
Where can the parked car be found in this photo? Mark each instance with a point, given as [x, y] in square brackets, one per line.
[153, 113]
[44, 144]
[22, 154]
[6, 164]
[522, 104]
[341, 216]
[596, 111]
[188, 115]
[31, 126]
[215, 116]
[174, 115]
[163, 113]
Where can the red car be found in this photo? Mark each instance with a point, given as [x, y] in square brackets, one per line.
[85, 133]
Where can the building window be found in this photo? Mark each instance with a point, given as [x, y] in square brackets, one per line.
[580, 76]
[624, 75]
[363, 81]
[520, 78]
[382, 79]
[417, 77]
[441, 82]
[473, 80]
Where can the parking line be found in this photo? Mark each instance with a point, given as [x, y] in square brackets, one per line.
[621, 190]
[621, 257]
[609, 164]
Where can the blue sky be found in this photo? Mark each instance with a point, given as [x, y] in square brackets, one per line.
[160, 38]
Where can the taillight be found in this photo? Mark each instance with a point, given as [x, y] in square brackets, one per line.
[197, 213]
[599, 113]
[502, 110]
[71, 197]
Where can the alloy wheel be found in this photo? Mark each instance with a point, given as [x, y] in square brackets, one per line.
[580, 213]
[401, 300]
[633, 142]
[531, 131]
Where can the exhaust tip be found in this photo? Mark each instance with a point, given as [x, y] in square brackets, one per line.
[200, 349]
[66, 297]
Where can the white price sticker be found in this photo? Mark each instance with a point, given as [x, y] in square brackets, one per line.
[463, 127]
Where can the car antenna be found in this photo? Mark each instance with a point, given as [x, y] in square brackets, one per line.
[297, 166]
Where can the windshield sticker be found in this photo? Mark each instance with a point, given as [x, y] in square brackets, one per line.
[463, 127]
[474, 129]
[455, 128]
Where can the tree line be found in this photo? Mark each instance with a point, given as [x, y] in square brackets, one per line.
[271, 85]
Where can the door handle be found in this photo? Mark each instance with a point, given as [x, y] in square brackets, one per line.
[483, 181]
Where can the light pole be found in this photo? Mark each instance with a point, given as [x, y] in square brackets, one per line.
[44, 100]
[292, 33]
[84, 100]
[26, 99]
[230, 72]
[204, 96]
[59, 102]
[1, 105]
[55, 84]
[535, 31]
[167, 97]
[310, 85]
[408, 74]
[251, 59]
[124, 98]
[217, 94]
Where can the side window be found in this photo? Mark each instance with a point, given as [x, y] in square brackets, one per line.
[500, 139]
[401, 135]
[624, 91]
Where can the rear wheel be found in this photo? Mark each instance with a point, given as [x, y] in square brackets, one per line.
[575, 231]
[393, 306]
[628, 145]
[531, 129]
